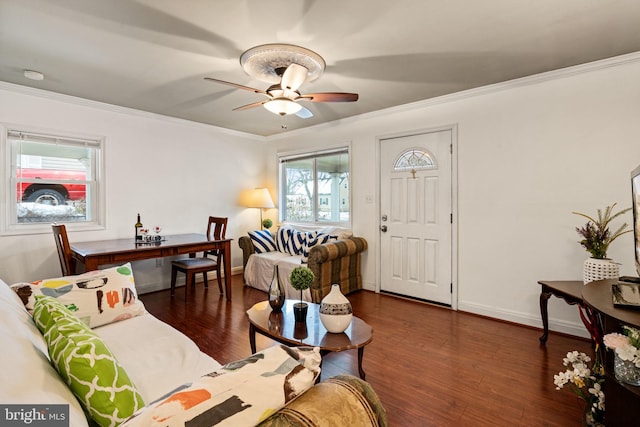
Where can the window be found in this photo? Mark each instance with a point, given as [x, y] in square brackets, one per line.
[51, 178]
[315, 187]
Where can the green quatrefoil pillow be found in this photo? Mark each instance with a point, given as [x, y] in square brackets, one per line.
[86, 364]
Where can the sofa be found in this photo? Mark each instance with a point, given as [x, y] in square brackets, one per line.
[88, 344]
[332, 253]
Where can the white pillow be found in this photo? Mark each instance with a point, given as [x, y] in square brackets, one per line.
[96, 297]
[340, 232]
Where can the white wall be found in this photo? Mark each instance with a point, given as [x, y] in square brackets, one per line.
[529, 152]
[173, 172]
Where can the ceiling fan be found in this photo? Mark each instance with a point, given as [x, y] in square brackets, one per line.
[275, 63]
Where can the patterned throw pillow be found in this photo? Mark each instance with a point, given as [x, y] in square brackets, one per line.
[283, 237]
[86, 364]
[262, 241]
[97, 297]
[297, 242]
[242, 393]
[314, 239]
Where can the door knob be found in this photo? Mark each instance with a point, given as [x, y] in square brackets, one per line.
[383, 228]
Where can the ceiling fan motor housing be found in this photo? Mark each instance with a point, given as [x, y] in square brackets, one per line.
[268, 62]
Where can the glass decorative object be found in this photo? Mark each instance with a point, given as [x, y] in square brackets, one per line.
[276, 291]
[626, 371]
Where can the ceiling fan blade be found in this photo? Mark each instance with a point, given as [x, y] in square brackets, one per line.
[252, 105]
[304, 113]
[293, 77]
[236, 85]
[330, 97]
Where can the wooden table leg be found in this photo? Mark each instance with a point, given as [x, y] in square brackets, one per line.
[226, 255]
[544, 301]
[252, 338]
[360, 357]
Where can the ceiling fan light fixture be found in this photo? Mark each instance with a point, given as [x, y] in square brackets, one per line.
[282, 106]
[261, 62]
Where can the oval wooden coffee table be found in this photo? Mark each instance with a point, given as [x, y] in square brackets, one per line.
[282, 327]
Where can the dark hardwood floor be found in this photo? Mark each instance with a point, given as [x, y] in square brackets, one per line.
[431, 366]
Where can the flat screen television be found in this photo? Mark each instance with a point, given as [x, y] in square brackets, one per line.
[635, 203]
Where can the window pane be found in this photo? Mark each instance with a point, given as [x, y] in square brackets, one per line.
[299, 189]
[53, 181]
[333, 188]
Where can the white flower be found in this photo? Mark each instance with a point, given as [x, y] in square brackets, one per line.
[596, 390]
[560, 380]
[626, 352]
[615, 340]
[574, 357]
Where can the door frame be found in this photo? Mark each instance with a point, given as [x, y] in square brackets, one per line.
[454, 203]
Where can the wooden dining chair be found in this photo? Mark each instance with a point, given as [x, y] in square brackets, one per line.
[67, 263]
[216, 230]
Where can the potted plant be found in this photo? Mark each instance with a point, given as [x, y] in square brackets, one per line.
[596, 238]
[596, 234]
[301, 278]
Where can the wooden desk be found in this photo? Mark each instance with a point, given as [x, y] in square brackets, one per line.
[103, 252]
[281, 327]
[568, 290]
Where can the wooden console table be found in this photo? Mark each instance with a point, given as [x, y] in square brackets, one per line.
[568, 290]
[622, 399]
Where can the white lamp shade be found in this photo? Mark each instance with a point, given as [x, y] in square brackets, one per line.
[259, 198]
[282, 106]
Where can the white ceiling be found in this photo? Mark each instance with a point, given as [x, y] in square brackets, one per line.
[152, 55]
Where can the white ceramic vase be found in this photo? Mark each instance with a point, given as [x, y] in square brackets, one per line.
[335, 311]
[599, 269]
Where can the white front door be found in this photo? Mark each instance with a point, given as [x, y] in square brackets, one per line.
[416, 216]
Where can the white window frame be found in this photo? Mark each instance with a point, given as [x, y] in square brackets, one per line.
[8, 208]
[282, 157]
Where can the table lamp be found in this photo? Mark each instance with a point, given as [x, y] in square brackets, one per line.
[261, 199]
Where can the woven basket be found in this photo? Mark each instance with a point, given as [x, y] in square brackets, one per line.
[599, 269]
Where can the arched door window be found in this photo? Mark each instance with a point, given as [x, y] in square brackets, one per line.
[414, 159]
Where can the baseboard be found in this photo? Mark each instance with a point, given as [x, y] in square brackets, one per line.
[569, 328]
